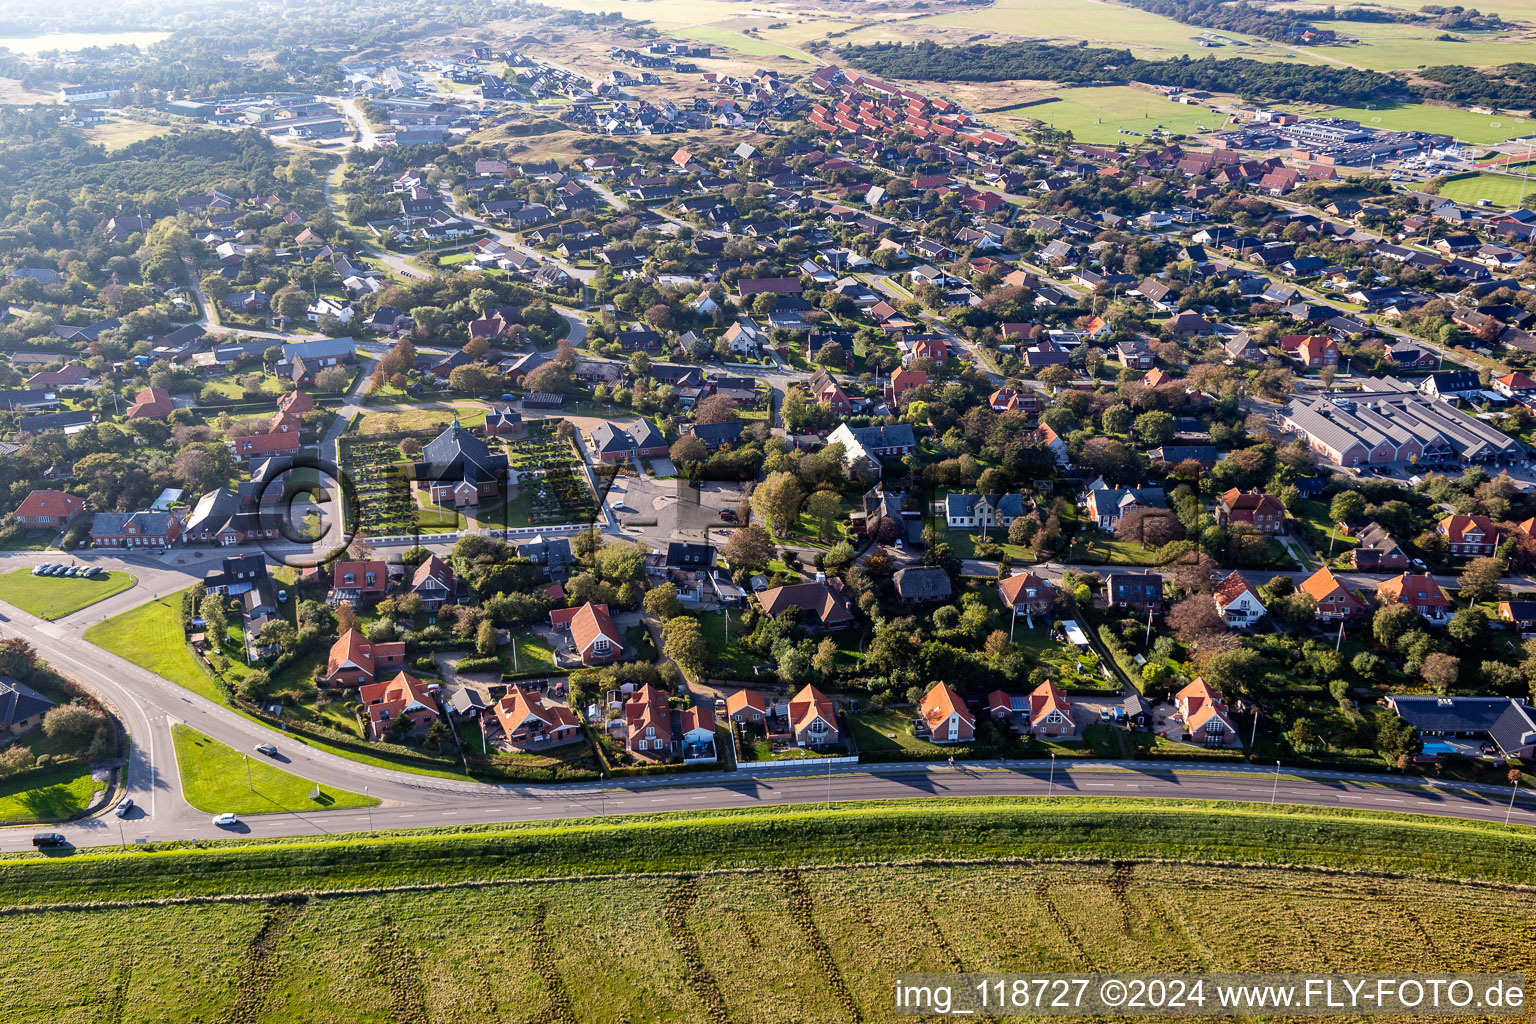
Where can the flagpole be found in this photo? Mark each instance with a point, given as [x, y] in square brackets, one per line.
[1340, 641]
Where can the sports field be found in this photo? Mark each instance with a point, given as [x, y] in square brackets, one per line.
[787, 914]
[1484, 129]
[1499, 189]
[1107, 113]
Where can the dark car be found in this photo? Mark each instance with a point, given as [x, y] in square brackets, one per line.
[49, 839]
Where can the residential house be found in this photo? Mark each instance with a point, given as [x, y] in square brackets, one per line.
[1502, 727]
[147, 528]
[1419, 592]
[813, 719]
[1263, 512]
[531, 723]
[982, 511]
[1205, 715]
[946, 716]
[400, 707]
[867, 448]
[359, 583]
[151, 403]
[921, 584]
[1237, 603]
[355, 660]
[1106, 505]
[746, 708]
[820, 604]
[1521, 615]
[49, 508]
[648, 724]
[434, 581]
[1027, 594]
[1142, 591]
[1050, 713]
[21, 708]
[593, 633]
[1469, 536]
[1335, 600]
[1377, 551]
[613, 444]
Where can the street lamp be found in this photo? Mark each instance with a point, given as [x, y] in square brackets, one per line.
[1512, 793]
[1051, 786]
[603, 792]
[1275, 789]
[248, 783]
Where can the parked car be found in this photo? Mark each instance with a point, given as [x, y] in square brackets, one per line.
[267, 749]
[49, 839]
[226, 820]
[124, 808]
[728, 515]
[40, 569]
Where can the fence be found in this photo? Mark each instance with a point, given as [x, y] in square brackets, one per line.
[507, 534]
[806, 762]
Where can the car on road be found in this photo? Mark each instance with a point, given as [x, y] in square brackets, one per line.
[226, 820]
[124, 808]
[49, 839]
[267, 749]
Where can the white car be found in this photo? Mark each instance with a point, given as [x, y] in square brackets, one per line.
[225, 820]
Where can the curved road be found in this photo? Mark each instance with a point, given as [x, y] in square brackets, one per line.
[149, 705]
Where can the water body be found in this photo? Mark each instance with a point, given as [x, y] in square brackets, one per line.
[77, 40]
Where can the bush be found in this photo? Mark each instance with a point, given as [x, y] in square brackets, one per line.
[479, 664]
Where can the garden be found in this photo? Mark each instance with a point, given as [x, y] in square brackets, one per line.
[384, 503]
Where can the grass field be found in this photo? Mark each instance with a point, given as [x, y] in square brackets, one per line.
[1102, 114]
[214, 779]
[820, 911]
[117, 132]
[150, 636]
[419, 419]
[46, 795]
[50, 598]
[1484, 129]
[1499, 189]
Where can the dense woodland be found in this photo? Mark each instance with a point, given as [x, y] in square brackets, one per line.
[1255, 79]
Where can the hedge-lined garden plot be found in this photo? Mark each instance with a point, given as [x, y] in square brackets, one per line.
[553, 488]
[384, 504]
[541, 449]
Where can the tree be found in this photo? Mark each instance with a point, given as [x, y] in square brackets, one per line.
[825, 660]
[1023, 529]
[778, 499]
[640, 364]
[1440, 671]
[662, 602]
[682, 640]
[619, 560]
[215, 622]
[1396, 740]
[824, 510]
[73, 725]
[1116, 419]
[750, 547]
[1391, 621]
[292, 304]
[688, 449]
[1347, 506]
[1153, 428]
[485, 638]
[832, 356]
[1150, 527]
[333, 379]
[1480, 580]
[715, 409]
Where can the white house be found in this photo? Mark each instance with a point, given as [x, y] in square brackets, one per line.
[1238, 603]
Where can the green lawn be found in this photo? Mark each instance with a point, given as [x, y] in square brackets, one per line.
[1104, 549]
[1499, 189]
[880, 733]
[46, 796]
[1103, 114]
[28, 540]
[212, 775]
[1314, 520]
[51, 598]
[534, 655]
[728, 662]
[150, 636]
[1484, 129]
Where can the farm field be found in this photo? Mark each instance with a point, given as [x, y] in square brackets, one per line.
[734, 945]
[1101, 114]
[50, 598]
[1499, 189]
[150, 636]
[1484, 129]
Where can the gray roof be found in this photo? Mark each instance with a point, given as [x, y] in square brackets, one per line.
[321, 348]
[456, 454]
[19, 702]
[213, 511]
[1508, 722]
[1011, 505]
[923, 582]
